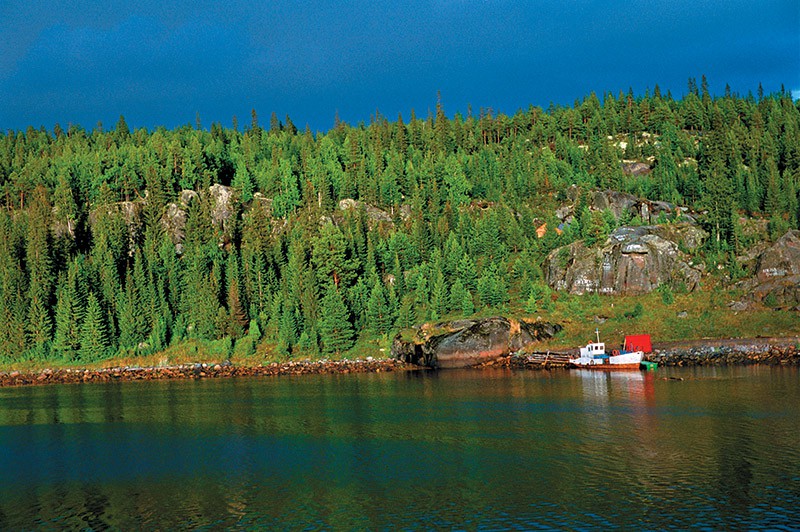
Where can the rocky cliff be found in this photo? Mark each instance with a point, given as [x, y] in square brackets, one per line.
[465, 343]
[777, 275]
[633, 260]
[622, 205]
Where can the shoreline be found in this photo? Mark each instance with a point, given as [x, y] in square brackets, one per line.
[198, 371]
[783, 351]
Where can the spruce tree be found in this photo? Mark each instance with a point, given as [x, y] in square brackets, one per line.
[439, 296]
[461, 299]
[94, 331]
[41, 279]
[379, 315]
[133, 326]
[335, 330]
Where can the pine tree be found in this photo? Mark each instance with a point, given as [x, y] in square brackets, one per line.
[335, 330]
[243, 182]
[407, 312]
[773, 200]
[467, 272]
[461, 299]
[439, 296]
[94, 331]
[718, 190]
[13, 310]
[329, 257]
[237, 317]
[40, 269]
[288, 198]
[133, 326]
[379, 315]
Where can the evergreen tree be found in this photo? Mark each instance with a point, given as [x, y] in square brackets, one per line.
[330, 259]
[461, 299]
[237, 314]
[94, 337]
[335, 330]
[133, 326]
[288, 197]
[379, 313]
[40, 269]
[439, 296]
[718, 192]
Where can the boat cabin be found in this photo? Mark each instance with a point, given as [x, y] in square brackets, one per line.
[594, 350]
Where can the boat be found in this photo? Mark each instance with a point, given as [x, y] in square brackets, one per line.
[594, 356]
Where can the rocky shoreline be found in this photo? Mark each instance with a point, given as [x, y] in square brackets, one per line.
[771, 351]
[198, 371]
[768, 351]
[706, 352]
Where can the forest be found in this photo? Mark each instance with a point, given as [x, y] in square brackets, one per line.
[114, 242]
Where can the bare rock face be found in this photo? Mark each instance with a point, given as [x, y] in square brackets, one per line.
[617, 202]
[174, 221]
[174, 218]
[782, 259]
[634, 260]
[222, 205]
[621, 204]
[466, 343]
[373, 213]
[778, 272]
[636, 168]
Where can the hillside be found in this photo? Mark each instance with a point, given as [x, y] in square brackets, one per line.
[278, 243]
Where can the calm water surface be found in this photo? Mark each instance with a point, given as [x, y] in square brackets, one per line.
[454, 449]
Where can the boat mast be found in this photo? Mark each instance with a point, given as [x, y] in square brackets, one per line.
[597, 332]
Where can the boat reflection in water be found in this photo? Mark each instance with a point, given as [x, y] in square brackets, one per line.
[635, 385]
[623, 420]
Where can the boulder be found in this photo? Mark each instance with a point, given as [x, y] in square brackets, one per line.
[633, 260]
[777, 276]
[222, 204]
[174, 222]
[621, 204]
[466, 343]
[374, 214]
[636, 168]
[187, 197]
[782, 259]
[617, 202]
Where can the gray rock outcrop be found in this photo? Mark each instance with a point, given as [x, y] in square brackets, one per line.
[222, 208]
[633, 260]
[373, 213]
[466, 343]
[621, 204]
[777, 276]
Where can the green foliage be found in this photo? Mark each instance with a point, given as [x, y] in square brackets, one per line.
[223, 348]
[634, 313]
[94, 337]
[380, 316]
[667, 296]
[777, 227]
[443, 217]
[770, 300]
[335, 330]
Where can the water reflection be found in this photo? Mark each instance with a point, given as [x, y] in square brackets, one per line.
[494, 449]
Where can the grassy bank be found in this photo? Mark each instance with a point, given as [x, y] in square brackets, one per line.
[697, 315]
[702, 314]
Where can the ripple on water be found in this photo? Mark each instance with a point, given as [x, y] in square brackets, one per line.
[519, 451]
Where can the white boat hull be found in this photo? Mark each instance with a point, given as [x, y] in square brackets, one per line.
[621, 361]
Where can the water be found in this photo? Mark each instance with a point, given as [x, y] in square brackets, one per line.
[454, 449]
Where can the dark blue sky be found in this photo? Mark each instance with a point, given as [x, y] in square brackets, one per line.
[162, 63]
